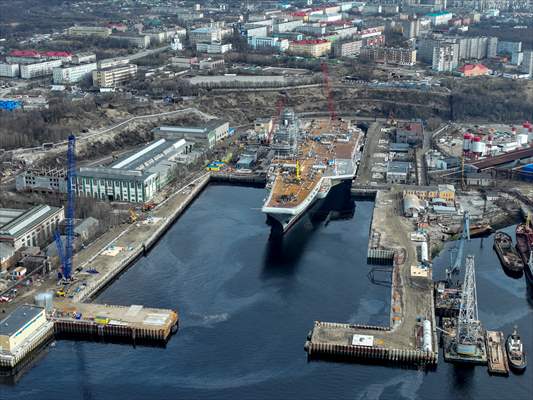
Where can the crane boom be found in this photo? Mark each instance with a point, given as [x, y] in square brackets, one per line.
[65, 253]
[465, 235]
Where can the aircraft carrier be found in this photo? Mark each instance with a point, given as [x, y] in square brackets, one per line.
[309, 159]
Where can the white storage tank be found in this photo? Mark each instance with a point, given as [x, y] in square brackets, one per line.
[522, 139]
[44, 299]
[427, 344]
[477, 145]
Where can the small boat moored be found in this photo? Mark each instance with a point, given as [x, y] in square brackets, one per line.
[515, 352]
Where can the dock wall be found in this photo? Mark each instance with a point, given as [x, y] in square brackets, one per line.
[98, 284]
[45, 333]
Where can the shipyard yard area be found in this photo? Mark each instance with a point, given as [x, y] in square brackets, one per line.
[409, 225]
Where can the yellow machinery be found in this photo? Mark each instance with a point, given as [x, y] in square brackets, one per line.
[133, 216]
[298, 172]
[60, 293]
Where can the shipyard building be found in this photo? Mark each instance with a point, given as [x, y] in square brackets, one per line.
[135, 178]
[20, 326]
[29, 227]
[207, 135]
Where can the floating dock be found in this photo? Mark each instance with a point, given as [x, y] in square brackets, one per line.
[105, 321]
[496, 355]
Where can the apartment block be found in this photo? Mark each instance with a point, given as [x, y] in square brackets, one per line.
[72, 74]
[9, 70]
[89, 31]
[29, 71]
[114, 76]
[390, 55]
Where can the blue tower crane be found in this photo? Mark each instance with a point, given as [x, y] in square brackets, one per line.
[65, 254]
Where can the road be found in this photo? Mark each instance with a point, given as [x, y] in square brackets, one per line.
[364, 174]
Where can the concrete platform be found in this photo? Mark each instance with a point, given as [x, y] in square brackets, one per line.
[135, 322]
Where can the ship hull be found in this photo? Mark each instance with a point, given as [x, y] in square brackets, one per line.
[511, 261]
[319, 208]
[524, 247]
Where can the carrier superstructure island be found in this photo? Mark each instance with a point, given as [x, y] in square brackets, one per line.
[309, 159]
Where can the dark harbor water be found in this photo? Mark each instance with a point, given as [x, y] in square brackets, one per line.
[246, 306]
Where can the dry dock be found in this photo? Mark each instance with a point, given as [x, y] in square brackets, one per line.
[101, 320]
[410, 338]
[496, 355]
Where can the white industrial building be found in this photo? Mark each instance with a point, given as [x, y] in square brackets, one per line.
[33, 227]
[208, 34]
[134, 178]
[72, 74]
[29, 71]
[209, 134]
[25, 322]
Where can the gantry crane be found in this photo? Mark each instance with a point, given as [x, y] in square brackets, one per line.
[65, 253]
[327, 91]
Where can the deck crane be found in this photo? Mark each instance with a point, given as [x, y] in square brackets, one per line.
[279, 107]
[327, 91]
[65, 253]
[465, 235]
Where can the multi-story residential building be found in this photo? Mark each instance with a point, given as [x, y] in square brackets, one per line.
[111, 77]
[213, 48]
[473, 47]
[29, 71]
[89, 31]
[517, 58]
[410, 28]
[506, 47]
[440, 18]
[492, 47]
[112, 62]
[73, 74]
[312, 29]
[9, 70]
[137, 40]
[347, 49]
[209, 34]
[310, 48]
[286, 26]
[81, 58]
[390, 55]
[256, 42]
[527, 63]
[445, 57]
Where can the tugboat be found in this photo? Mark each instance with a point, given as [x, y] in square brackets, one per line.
[515, 352]
[510, 259]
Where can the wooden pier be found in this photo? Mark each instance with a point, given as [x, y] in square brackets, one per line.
[118, 322]
[496, 355]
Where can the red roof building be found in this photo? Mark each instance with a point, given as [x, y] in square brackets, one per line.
[473, 70]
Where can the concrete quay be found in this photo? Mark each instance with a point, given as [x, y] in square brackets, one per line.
[412, 303]
[109, 256]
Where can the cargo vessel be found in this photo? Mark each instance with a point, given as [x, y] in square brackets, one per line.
[524, 245]
[309, 160]
[515, 352]
[476, 230]
[511, 261]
